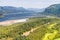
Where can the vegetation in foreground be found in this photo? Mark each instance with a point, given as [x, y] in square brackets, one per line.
[48, 29]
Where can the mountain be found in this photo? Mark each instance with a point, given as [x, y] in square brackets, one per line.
[53, 10]
[13, 13]
[36, 9]
[9, 13]
[10, 9]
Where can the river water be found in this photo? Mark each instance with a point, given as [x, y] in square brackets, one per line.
[13, 16]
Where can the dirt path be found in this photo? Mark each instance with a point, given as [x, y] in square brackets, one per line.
[33, 29]
[28, 32]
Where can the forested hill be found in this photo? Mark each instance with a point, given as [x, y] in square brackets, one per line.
[33, 29]
[10, 9]
[53, 10]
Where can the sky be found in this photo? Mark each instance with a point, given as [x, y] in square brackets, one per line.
[29, 3]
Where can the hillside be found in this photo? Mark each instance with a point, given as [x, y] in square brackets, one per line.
[53, 10]
[36, 28]
[37, 9]
[10, 9]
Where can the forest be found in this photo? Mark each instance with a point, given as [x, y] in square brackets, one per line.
[36, 28]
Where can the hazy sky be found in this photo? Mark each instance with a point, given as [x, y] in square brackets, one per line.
[28, 3]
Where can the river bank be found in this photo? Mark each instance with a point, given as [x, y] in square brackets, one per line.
[10, 22]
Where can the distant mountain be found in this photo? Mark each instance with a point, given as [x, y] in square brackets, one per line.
[10, 9]
[53, 10]
[11, 13]
[36, 9]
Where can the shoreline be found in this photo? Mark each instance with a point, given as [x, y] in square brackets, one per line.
[10, 22]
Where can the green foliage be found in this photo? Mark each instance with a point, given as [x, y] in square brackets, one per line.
[16, 30]
[53, 10]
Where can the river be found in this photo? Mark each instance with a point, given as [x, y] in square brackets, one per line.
[15, 16]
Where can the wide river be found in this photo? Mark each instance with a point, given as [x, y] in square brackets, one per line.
[13, 16]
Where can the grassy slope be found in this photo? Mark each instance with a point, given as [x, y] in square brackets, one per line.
[14, 32]
[46, 32]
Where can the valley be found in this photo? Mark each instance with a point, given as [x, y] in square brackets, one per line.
[18, 23]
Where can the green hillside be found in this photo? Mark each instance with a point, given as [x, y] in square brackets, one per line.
[33, 29]
[52, 10]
